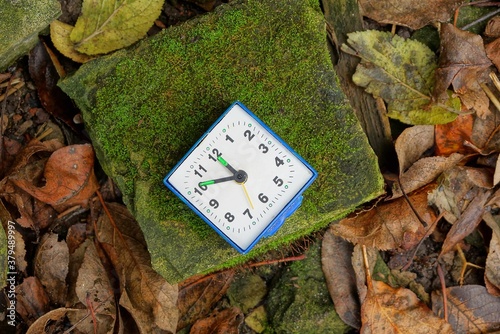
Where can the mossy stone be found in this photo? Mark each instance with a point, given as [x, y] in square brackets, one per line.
[20, 23]
[146, 106]
[246, 292]
[300, 302]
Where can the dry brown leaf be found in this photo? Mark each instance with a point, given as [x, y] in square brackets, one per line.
[457, 186]
[70, 178]
[44, 73]
[358, 264]
[34, 146]
[77, 234]
[493, 52]
[51, 267]
[477, 100]
[149, 298]
[484, 132]
[470, 309]
[32, 300]
[198, 296]
[467, 221]
[409, 13]
[493, 27]
[75, 262]
[464, 65]
[492, 272]
[20, 249]
[219, 322]
[412, 144]
[93, 287]
[496, 175]
[423, 172]
[340, 278]
[480, 177]
[450, 137]
[390, 310]
[25, 167]
[54, 321]
[391, 225]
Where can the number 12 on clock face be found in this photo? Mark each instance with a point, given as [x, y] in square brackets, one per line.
[241, 178]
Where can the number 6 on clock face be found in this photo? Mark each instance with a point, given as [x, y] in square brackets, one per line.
[241, 178]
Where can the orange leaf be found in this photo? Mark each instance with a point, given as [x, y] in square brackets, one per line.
[450, 137]
[70, 178]
[226, 321]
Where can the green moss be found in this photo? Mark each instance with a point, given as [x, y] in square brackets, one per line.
[300, 302]
[145, 107]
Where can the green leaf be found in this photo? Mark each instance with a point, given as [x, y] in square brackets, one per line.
[107, 25]
[401, 72]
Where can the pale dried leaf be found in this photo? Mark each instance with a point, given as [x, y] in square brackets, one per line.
[412, 143]
[496, 176]
[423, 172]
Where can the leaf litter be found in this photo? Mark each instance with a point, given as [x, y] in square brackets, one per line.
[380, 264]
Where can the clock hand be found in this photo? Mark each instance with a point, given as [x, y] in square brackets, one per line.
[248, 196]
[225, 164]
[240, 177]
[222, 179]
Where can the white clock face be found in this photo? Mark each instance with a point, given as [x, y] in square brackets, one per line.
[240, 177]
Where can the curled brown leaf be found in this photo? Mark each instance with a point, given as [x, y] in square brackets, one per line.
[70, 178]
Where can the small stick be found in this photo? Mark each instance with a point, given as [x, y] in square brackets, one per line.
[481, 19]
[368, 274]
[268, 262]
[490, 94]
[443, 287]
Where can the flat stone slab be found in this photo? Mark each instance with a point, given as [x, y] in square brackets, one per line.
[20, 23]
[146, 106]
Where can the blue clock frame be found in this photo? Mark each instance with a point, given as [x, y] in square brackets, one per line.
[280, 218]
